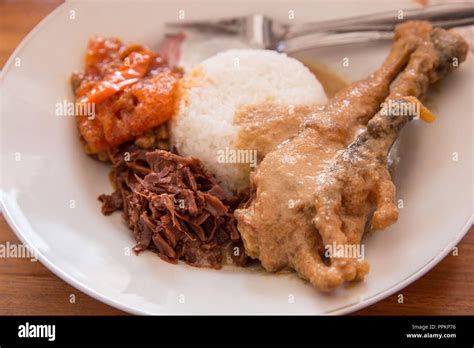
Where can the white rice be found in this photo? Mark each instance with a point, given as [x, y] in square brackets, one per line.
[211, 93]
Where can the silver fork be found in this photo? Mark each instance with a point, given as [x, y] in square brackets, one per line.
[260, 31]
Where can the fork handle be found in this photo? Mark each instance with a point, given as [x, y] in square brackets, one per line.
[444, 15]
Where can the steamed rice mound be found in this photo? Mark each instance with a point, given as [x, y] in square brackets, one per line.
[211, 93]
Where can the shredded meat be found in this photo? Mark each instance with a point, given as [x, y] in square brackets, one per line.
[174, 207]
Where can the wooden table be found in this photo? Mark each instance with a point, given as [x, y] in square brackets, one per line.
[29, 288]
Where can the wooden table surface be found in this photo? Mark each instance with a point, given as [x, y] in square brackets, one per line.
[29, 288]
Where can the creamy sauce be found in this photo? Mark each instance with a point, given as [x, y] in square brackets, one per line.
[263, 126]
[307, 194]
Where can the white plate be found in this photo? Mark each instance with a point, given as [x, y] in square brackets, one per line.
[87, 249]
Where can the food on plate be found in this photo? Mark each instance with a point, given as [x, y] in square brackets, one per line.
[132, 90]
[319, 188]
[315, 172]
[264, 125]
[175, 207]
[213, 92]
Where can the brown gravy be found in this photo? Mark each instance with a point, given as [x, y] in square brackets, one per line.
[331, 81]
[265, 125]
